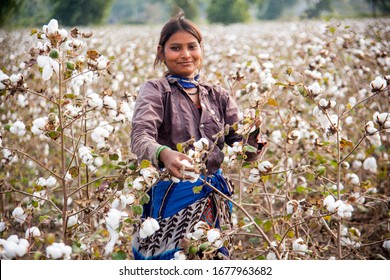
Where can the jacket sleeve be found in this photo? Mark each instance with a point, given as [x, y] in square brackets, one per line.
[147, 118]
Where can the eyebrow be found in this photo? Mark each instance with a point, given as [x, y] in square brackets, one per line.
[176, 43]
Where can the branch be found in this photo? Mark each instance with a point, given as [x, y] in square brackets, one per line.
[37, 162]
[246, 214]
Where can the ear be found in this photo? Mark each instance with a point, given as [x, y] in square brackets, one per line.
[160, 52]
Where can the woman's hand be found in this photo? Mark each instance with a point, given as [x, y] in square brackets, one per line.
[172, 162]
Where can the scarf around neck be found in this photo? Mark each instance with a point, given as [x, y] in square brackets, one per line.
[186, 82]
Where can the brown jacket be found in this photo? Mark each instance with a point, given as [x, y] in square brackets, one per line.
[165, 115]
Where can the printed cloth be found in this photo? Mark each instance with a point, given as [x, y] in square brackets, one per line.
[177, 208]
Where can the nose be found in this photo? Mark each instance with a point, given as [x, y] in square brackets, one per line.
[185, 53]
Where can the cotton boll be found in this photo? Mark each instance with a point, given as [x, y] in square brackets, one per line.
[378, 84]
[276, 136]
[58, 250]
[72, 220]
[254, 175]
[265, 167]
[154, 224]
[3, 226]
[51, 181]
[352, 178]
[291, 206]
[386, 245]
[213, 234]
[299, 246]
[138, 183]
[130, 198]
[33, 232]
[179, 255]
[370, 164]
[271, 256]
[329, 203]
[19, 215]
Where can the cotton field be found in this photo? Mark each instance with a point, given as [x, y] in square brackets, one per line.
[71, 189]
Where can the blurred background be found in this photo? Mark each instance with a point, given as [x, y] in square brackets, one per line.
[31, 13]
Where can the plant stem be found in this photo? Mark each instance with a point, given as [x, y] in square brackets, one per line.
[246, 214]
[62, 143]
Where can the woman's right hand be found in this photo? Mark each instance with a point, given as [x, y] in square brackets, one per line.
[172, 162]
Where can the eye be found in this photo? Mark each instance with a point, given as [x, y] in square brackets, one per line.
[175, 48]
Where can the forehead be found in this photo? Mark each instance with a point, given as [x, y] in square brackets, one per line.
[182, 37]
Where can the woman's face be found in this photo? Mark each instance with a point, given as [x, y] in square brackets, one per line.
[182, 54]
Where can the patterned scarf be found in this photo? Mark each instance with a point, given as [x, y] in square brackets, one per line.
[186, 82]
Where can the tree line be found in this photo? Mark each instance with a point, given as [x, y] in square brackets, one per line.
[22, 13]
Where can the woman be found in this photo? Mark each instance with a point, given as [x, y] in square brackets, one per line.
[173, 110]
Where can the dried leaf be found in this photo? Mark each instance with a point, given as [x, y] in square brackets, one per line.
[74, 32]
[93, 54]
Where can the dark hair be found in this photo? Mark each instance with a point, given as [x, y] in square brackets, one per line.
[175, 24]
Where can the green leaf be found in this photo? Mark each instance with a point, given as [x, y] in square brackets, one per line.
[179, 147]
[267, 226]
[281, 84]
[113, 156]
[145, 199]
[137, 209]
[250, 149]
[144, 164]
[291, 234]
[132, 165]
[74, 171]
[76, 247]
[44, 218]
[129, 221]
[197, 189]
[34, 203]
[53, 135]
[310, 177]
[332, 29]
[277, 237]
[321, 170]
[300, 189]
[120, 255]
